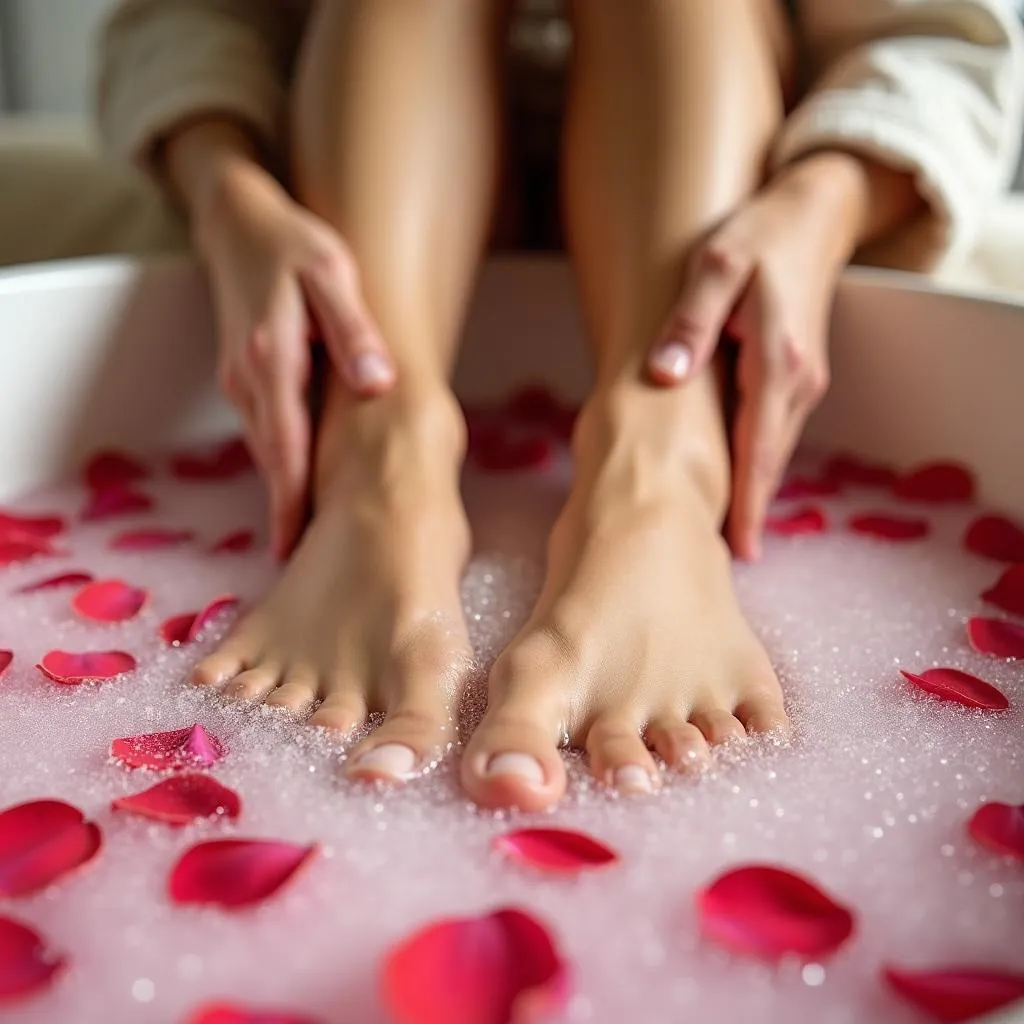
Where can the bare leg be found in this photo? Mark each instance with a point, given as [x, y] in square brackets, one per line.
[395, 134]
[636, 634]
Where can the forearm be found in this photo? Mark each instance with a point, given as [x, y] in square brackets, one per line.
[868, 200]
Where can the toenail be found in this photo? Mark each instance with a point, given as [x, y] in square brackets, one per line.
[393, 759]
[521, 766]
[633, 779]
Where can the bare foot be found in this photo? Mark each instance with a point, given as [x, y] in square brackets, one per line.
[367, 615]
[636, 641]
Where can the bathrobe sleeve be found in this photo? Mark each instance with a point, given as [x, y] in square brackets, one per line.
[163, 62]
[934, 87]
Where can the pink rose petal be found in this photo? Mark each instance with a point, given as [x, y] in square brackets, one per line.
[26, 965]
[771, 913]
[960, 687]
[109, 601]
[499, 451]
[500, 968]
[997, 637]
[219, 463]
[852, 469]
[115, 500]
[182, 799]
[936, 483]
[185, 628]
[150, 540]
[235, 543]
[232, 1013]
[999, 827]
[892, 528]
[72, 669]
[6, 657]
[954, 994]
[807, 487]
[808, 519]
[14, 526]
[20, 549]
[1007, 593]
[64, 579]
[235, 872]
[177, 749]
[111, 469]
[997, 538]
[40, 842]
[556, 850]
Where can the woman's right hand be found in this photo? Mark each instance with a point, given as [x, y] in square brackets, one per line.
[281, 278]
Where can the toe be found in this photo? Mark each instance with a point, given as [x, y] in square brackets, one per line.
[764, 713]
[254, 683]
[679, 743]
[297, 692]
[410, 740]
[718, 725]
[218, 668]
[343, 709]
[619, 757]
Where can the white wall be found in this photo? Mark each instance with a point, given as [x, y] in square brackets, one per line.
[51, 45]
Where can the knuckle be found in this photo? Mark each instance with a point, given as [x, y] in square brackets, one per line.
[721, 256]
[259, 345]
[332, 262]
[817, 381]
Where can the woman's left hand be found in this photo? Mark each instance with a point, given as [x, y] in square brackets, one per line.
[765, 277]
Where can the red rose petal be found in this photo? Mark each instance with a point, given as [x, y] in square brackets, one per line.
[556, 850]
[182, 799]
[111, 469]
[886, 527]
[235, 872]
[193, 747]
[997, 637]
[150, 540]
[851, 469]
[15, 526]
[534, 404]
[21, 549]
[88, 666]
[220, 463]
[999, 827]
[997, 538]
[498, 451]
[1008, 591]
[26, 965]
[808, 519]
[959, 687]
[6, 657]
[234, 543]
[116, 500]
[40, 842]
[232, 1013]
[953, 994]
[493, 969]
[936, 482]
[183, 629]
[64, 579]
[807, 487]
[769, 912]
[109, 601]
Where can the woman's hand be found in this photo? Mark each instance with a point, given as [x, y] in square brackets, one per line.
[766, 278]
[281, 278]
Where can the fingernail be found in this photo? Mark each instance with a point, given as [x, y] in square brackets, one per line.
[370, 369]
[521, 766]
[631, 778]
[395, 760]
[672, 359]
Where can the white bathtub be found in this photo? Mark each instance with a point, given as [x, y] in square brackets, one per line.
[113, 352]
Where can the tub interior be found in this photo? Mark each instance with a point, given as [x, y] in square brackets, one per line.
[869, 801]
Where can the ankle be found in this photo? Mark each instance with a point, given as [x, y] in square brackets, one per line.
[640, 445]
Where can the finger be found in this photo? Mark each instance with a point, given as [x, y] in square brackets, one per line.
[763, 428]
[355, 345]
[714, 282]
[280, 371]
